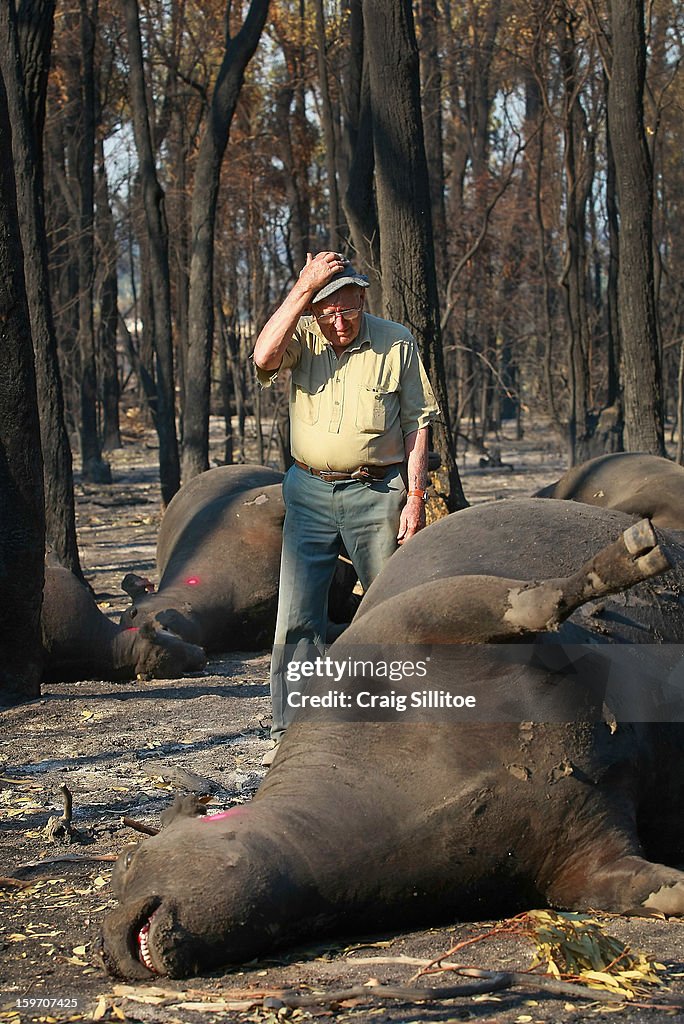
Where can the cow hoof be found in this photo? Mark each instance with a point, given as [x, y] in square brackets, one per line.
[668, 900]
[640, 538]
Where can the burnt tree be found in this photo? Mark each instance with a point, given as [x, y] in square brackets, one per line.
[431, 75]
[108, 300]
[22, 518]
[578, 160]
[238, 53]
[409, 281]
[359, 198]
[327, 117]
[24, 59]
[82, 183]
[640, 357]
[158, 251]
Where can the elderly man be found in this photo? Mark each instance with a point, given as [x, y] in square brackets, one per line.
[360, 405]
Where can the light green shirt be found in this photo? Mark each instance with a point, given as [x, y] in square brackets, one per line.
[355, 410]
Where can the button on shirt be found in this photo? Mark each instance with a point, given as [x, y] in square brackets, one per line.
[356, 409]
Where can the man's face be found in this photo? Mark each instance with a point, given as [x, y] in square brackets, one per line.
[340, 330]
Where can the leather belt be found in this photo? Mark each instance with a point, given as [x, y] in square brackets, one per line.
[362, 473]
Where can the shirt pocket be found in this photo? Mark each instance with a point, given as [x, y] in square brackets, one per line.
[374, 408]
[307, 402]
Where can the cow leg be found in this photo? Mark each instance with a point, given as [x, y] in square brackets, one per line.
[633, 557]
[480, 609]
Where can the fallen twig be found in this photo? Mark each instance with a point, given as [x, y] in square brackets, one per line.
[14, 883]
[436, 965]
[139, 826]
[495, 983]
[410, 961]
[69, 858]
[523, 979]
[276, 999]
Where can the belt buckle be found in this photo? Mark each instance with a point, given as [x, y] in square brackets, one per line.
[362, 473]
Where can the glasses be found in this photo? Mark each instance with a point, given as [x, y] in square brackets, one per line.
[346, 314]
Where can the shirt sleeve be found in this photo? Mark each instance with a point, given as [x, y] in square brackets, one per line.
[418, 404]
[291, 357]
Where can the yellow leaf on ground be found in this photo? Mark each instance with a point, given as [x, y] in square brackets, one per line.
[100, 1009]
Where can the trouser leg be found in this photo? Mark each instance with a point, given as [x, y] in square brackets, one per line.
[311, 543]
[370, 522]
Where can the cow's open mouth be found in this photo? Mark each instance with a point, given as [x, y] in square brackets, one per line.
[139, 936]
[144, 944]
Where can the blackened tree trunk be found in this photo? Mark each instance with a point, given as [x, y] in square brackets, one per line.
[146, 308]
[578, 164]
[226, 384]
[293, 139]
[204, 199]
[359, 198]
[641, 383]
[613, 396]
[431, 78]
[93, 467]
[334, 215]
[679, 457]
[180, 246]
[109, 307]
[158, 247]
[26, 94]
[295, 172]
[22, 520]
[409, 282]
[61, 214]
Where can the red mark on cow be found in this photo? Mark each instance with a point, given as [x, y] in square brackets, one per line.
[131, 629]
[221, 816]
[192, 581]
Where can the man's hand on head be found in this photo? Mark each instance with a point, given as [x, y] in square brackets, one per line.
[276, 333]
[319, 269]
[412, 519]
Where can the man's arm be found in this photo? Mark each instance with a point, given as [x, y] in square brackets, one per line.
[413, 513]
[277, 332]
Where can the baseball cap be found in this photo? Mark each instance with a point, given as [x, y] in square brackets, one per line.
[343, 277]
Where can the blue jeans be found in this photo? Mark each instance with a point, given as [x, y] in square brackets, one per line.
[320, 517]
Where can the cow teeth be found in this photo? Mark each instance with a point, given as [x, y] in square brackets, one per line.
[144, 948]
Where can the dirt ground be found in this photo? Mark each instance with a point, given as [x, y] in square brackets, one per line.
[124, 749]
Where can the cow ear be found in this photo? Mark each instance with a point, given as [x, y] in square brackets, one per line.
[183, 806]
[135, 585]
[179, 621]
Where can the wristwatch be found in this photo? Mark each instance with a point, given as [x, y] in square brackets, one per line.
[417, 492]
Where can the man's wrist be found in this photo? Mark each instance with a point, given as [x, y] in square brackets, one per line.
[302, 292]
[418, 492]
